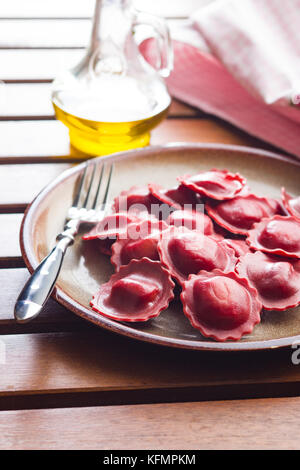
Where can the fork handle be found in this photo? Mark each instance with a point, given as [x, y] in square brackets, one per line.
[39, 286]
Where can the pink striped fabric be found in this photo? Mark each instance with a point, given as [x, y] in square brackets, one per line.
[240, 61]
[202, 81]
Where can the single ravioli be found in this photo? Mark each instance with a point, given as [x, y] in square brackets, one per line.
[221, 305]
[239, 214]
[135, 200]
[177, 197]
[110, 226]
[140, 241]
[276, 235]
[186, 252]
[276, 279]
[136, 293]
[216, 184]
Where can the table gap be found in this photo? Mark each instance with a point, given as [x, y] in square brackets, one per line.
[147, 396]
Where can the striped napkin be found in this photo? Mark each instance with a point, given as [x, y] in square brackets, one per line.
[240, 60]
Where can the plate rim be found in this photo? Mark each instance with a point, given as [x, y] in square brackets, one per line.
[80, 310]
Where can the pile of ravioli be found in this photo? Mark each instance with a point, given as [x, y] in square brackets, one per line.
[240, 256]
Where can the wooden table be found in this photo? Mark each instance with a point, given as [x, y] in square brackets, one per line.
[64, 383]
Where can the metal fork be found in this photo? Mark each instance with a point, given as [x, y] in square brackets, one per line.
[38, 288]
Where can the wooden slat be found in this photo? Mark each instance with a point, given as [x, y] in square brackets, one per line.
[25, 100]
[33, 139]
[33, 101]
[80, 9]
[10, 254]
[201, 130]
[21, 183]
[53, 317]
[43, 140]
[20, 65]
[247, 424]
[99, 367]
[21, 41]
[53, 9]
[44, 33]
[69, 34]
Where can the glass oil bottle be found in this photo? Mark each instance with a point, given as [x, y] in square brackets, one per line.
[113, 98]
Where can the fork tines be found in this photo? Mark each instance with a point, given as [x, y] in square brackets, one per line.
[90, 186]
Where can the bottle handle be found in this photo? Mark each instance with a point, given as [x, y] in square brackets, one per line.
[162, 35]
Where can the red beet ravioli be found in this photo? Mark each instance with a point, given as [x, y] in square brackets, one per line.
[239, 247]
[186, 252]
[192, 220]
[111, 226]
[137, 292]
[174, 197]
[277, 235]
[239, 214]
[216, 184]
[276, 279]
[137, 199]
[291, 204]
[140, 242]
[221, 306]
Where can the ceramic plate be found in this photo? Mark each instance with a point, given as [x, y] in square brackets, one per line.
[85, 269]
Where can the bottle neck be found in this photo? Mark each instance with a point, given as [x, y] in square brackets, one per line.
[112, 18]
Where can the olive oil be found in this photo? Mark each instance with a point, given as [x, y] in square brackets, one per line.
[102, 137]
